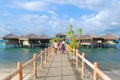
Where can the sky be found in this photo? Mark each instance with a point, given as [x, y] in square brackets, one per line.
[50, 17]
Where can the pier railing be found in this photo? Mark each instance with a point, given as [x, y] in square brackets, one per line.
[96, 71]
[44, 56]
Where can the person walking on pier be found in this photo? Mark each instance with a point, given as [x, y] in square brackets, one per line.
[63, 46]
[59, 45]
[55, 46]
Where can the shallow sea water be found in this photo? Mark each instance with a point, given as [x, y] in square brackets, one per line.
[108, 58]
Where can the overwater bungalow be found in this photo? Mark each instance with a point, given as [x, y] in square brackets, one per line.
[87, 40]
[109, 40]
[44, 40]
[1, 38]
[12, 40]
[30, 40]
[63, 36]
[97, 41]
[60, 35]
[118, 43]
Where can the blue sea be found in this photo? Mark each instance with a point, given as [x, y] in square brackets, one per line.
[108, 58]
[10, 56]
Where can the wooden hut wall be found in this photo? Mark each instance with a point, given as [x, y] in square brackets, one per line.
[26, 43]
[12, 43]
[109, 42]
[85, 41]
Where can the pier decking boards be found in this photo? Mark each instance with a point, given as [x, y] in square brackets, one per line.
[58, 68]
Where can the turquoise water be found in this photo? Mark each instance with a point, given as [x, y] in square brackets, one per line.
[108, 58]
[10, 56]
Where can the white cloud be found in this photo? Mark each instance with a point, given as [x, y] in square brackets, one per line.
[91, 4]
[5, 29]
[62, 2]
[33, 5]
[51, 12]
[35, 19]
[106, 19]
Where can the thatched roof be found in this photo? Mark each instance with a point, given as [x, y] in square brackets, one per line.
[110, 37]
[33, 36]
[10, 36]
[88, 36]
[60, 34]
[44, 37]
[119, 38]
[30, 36]
[1, 38]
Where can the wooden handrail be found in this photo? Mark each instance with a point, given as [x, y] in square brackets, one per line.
[11, 75]
[83, 66]
[34, 61]
[86, 61]
[102, 75]
[97, 71]
[27, 63]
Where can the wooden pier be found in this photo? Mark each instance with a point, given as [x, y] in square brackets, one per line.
[49, 66]
[58, 68]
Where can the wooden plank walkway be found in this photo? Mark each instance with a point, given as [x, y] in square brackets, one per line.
[58, 68]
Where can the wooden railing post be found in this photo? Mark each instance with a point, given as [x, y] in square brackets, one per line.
[49, 52]
[83, 66]
[35, 65]
[41, 59]
[76, 58]
[46, 60]
[20, 74]
[95, 73]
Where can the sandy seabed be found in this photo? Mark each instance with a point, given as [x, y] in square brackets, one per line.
[5, 72]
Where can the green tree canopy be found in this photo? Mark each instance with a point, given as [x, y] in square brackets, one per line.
[74, 43]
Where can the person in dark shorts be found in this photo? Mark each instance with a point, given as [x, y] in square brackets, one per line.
[63, 47]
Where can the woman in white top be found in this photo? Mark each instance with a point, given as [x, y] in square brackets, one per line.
[55, 46]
